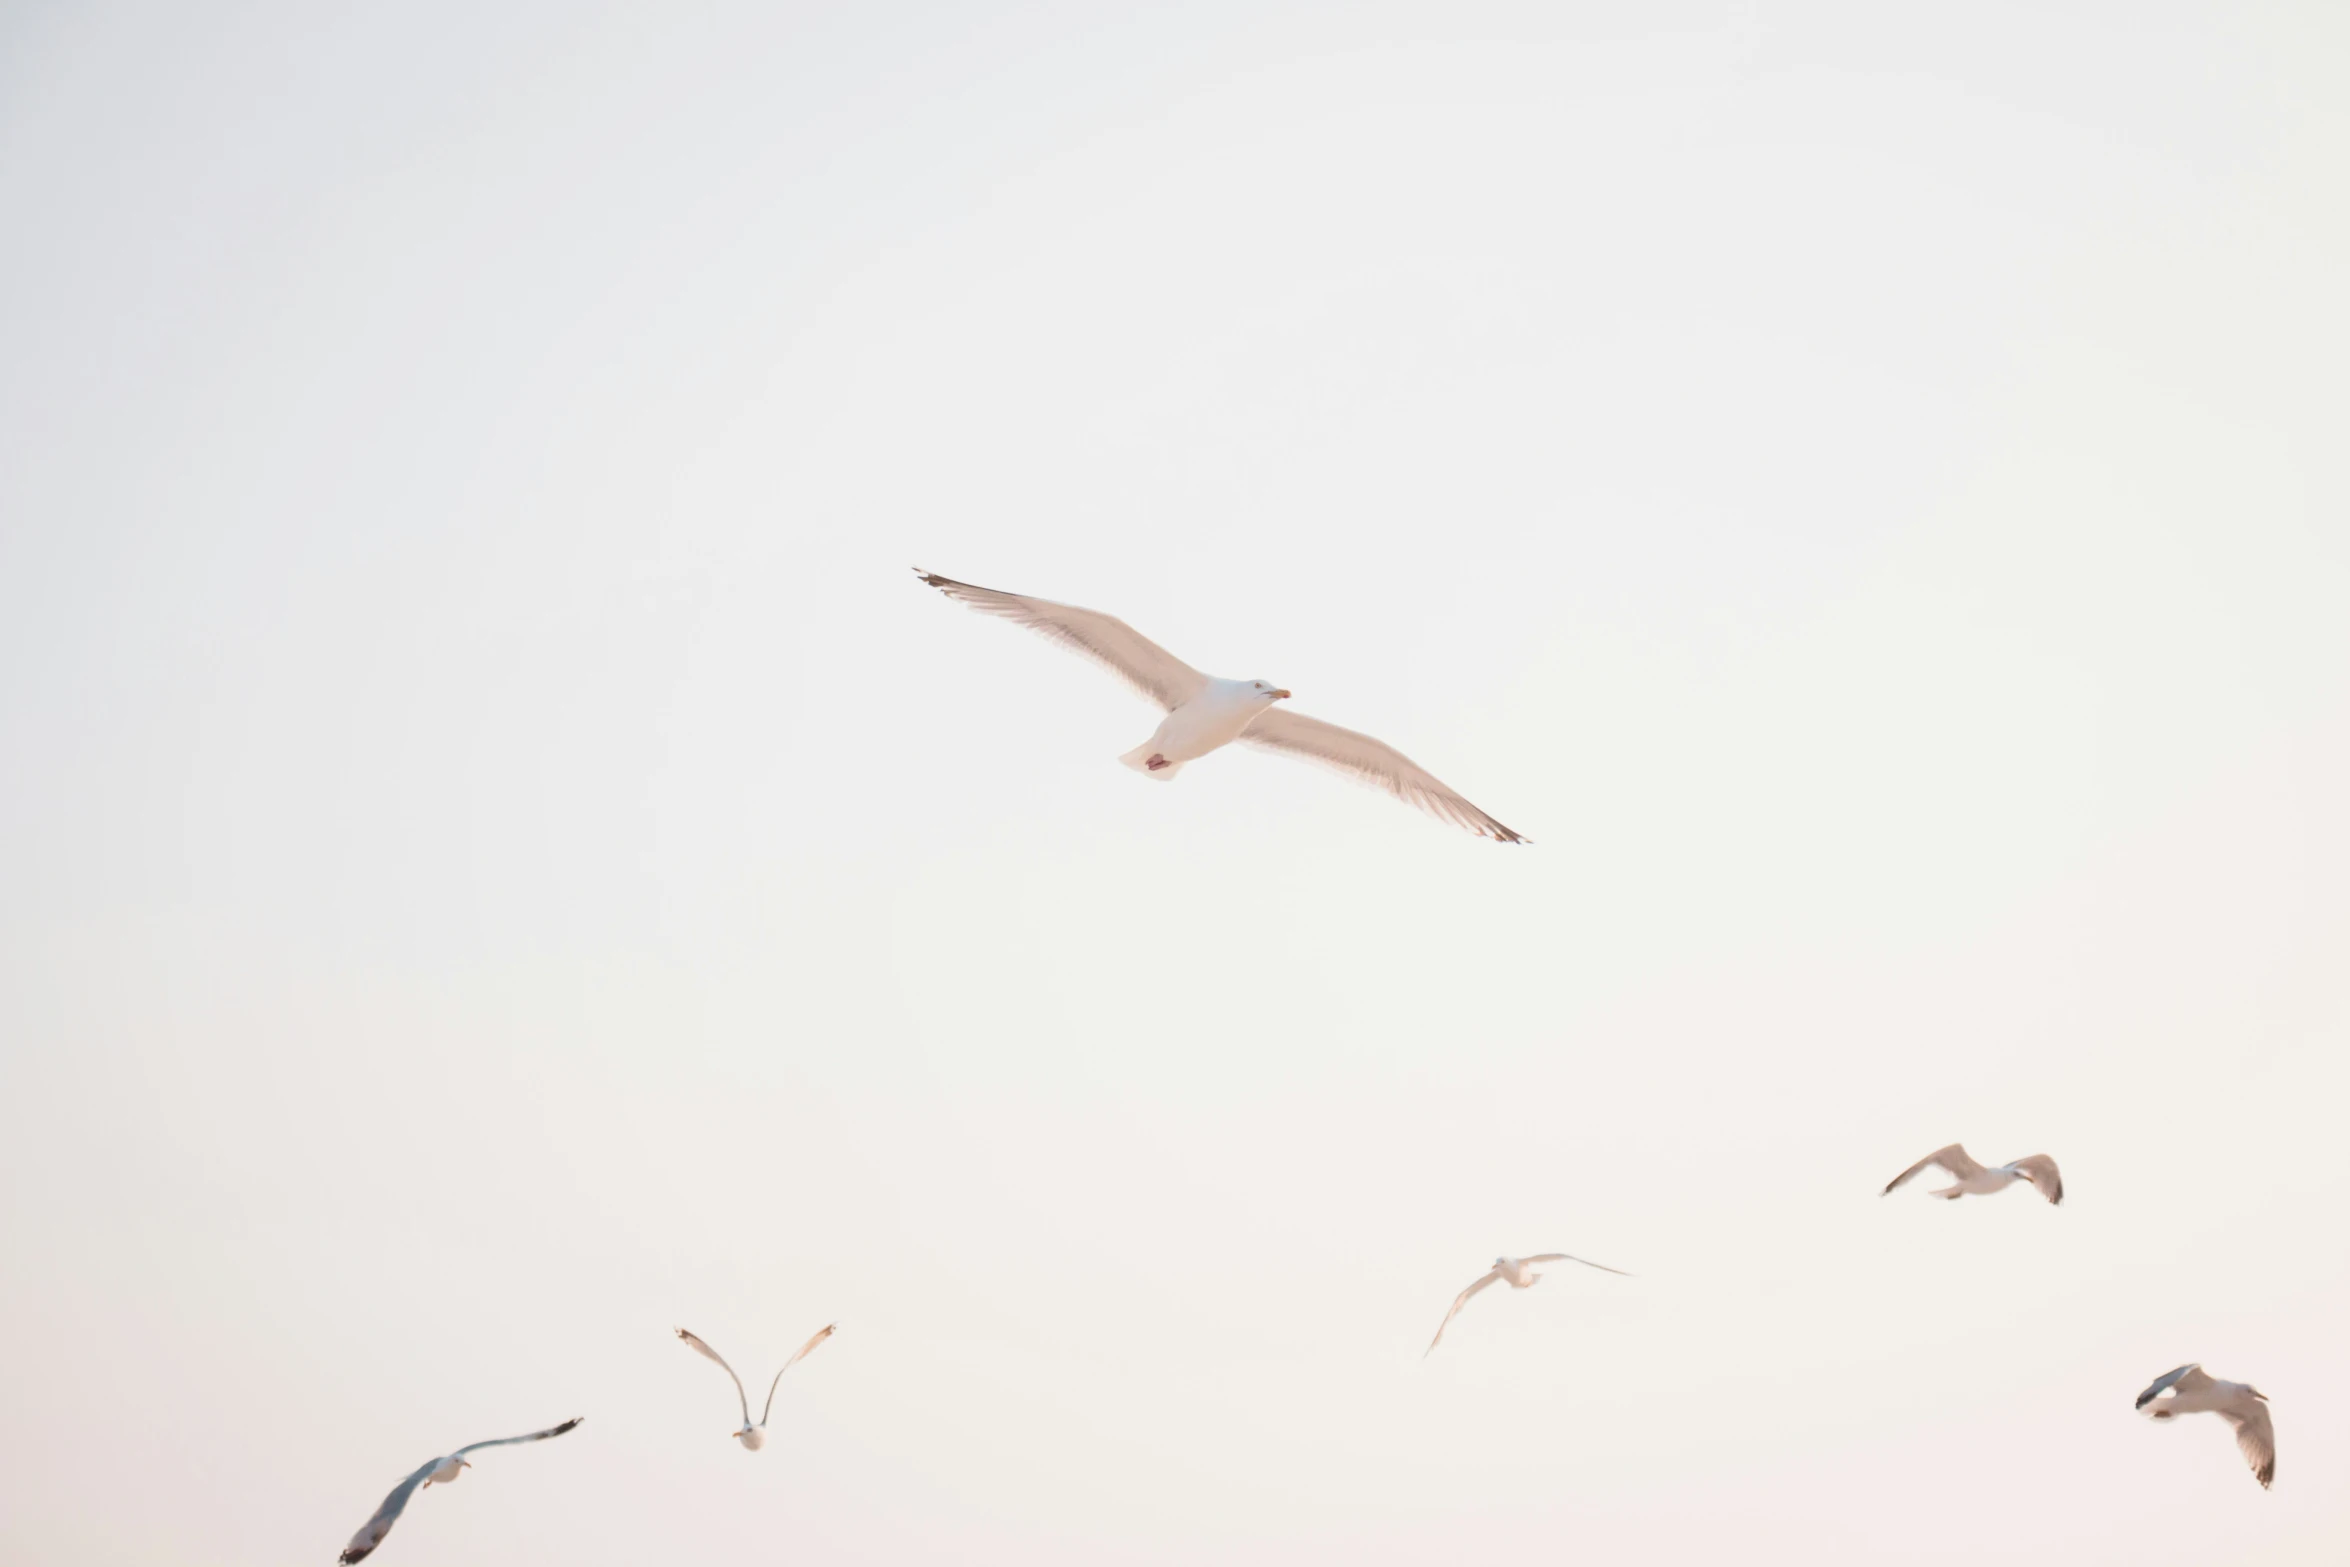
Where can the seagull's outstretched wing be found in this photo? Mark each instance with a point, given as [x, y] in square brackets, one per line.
[1458, 1302]
[2189, 1378]
[371, 1534]
[2257, 1437]
[1125, 652]
[723, 1366]
[1374, 762]
[819, 1337]
[509, 1441]
[1953, 1158]
[1560, 1256]
[2040, 1170]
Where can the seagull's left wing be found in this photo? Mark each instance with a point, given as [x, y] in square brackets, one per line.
[1560, 1256]
[1125, 652]
[819, 1337]
[1374, 762]
[1459, 1301]
[2189, 1378]
[535, 1436]
[2040, 1170]
[371, 1534]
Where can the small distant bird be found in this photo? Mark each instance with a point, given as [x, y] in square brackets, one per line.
[754, 1437]
[1973, 1178]
[2194, 1392]
[445, 1470]
[1206, 715]
[1520, 1273]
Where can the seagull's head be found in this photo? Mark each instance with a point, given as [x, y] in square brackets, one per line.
[752, 1438]
[1269, 693]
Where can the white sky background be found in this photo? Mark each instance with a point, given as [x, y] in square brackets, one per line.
[499, 859]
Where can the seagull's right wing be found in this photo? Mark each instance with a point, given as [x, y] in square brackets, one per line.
[2189, 1378]
[509, 1441]
[1953, 1158]
[1458, 1302]
[1560, 1256]
[723, 1366]
[1372, 762]
[2258, 1439]
[2040, 1170]
[371, 1534]
[1125, 652]
[819, 1337]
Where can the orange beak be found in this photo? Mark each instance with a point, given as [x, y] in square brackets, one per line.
[1280, 696]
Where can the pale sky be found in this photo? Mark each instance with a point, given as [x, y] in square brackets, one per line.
[498, 858]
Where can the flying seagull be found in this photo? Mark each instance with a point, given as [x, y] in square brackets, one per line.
[445, 1470]
[2193, 1391]
[1971, 1177]
[1520, 1272]
[754, 1437]
[1205, 714]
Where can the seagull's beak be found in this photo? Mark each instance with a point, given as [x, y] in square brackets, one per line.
[1281, 696]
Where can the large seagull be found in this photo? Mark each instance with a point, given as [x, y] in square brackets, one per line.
[1206, 714]
[2194, 1391]
[1977, 1181]
[444, 1469]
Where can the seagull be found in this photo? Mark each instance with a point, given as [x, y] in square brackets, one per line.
[754, 1437]
[1205, 714]
[445, 1470]
[2193, 1391]
[1971, 1177]
[1521, 1273]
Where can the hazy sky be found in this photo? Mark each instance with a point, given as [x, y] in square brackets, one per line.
[499, 859]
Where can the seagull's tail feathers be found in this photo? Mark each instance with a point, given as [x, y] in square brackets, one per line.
[1140, 759]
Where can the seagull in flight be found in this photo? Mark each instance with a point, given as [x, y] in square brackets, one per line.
[1974, 1179]
[2194, 1391]
[445, 1470]
[1519, 1273]
[1206, 714]
[754, 1437]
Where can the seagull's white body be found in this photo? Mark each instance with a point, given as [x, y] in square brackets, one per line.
[1220, 714]
[754, 1436]
[1972, 1179]
[1518, 1273]
[2193, 1391]
[1205, 714]
[443, 1471]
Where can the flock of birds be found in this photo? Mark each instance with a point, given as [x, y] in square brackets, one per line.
[1205, 714]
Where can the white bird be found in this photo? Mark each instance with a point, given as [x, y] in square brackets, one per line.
[445, 1470]
[754, 1437]
[1973, 1178]
[1205, 714]
[1520, 1273]
[2193, 1392]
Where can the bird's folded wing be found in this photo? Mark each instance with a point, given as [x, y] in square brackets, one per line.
[1125, 652]
[2258, 1439]
[1374, 762]
[1459, 1301]
[1953, 1158]
[1560, 1256]
[2189, 1378]
[371, 1534]
[723, 1366]
[535, 1436]
[818, 1337]
[2040, 1170]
